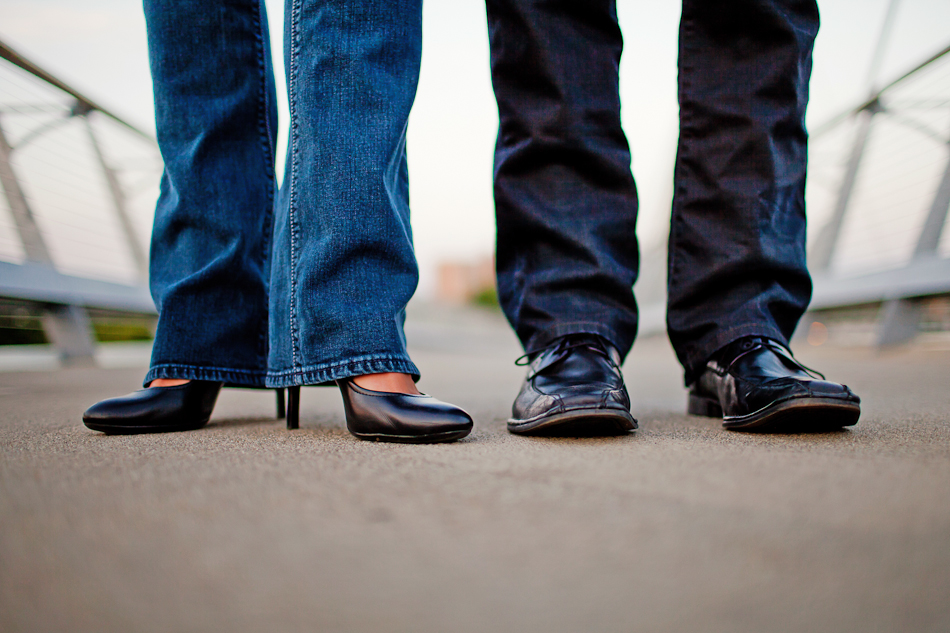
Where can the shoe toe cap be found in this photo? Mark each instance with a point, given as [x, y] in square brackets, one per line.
[827, 389]
[594, 397]
[97, 412]
[122, 408]
[443, 416]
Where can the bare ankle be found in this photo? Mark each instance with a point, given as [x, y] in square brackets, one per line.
[388, 382]
[167, 382]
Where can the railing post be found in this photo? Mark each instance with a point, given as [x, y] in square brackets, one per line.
[66, 327]
[139, 256]
[827, 241]
[33, 245]
[937, 217]
[900, 318]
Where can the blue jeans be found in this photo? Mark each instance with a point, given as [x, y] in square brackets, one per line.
[566, 202]
[309, 284]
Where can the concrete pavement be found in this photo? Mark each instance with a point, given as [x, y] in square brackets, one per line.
[681, 526]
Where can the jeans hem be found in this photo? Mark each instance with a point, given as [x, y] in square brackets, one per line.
[243, 377]
[330, 372]
[700, 351]
[539, 340]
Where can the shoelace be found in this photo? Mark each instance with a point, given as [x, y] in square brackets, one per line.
[566, 345]
[782, 351]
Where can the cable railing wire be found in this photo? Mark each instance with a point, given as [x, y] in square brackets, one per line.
[877, 173]
[78, 185]
[896, 176]
[49, 127]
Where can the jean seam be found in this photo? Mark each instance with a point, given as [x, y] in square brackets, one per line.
[246, 377]
[268, 152]
[326, 372]
[343, 363]
[679, 178]
[295, 162]
[230, 370]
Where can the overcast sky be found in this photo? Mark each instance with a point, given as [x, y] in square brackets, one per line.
[99, 47]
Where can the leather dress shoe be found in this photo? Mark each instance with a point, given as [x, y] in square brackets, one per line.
[755, 383]
[573, 387]
[155, 409]
[399, 417]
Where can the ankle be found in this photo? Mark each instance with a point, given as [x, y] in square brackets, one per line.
[167, 382]
[388, 382]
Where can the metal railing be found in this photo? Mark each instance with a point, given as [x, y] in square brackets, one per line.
[79, 185]
[878, 197]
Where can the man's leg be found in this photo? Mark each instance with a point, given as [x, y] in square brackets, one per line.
[565, 199]
[738, 283]
[566, 206]
[216, 119]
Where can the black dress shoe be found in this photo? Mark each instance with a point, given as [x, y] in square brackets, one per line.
[756, 384]
[400, 417]
[155, 409]
[573, 387]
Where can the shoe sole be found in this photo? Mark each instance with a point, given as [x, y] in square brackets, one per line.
[787, 416]
[110, 429]
[578, 423]
[430, 438]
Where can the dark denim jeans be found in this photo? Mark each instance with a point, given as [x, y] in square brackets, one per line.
[305, 286]
[566, 202]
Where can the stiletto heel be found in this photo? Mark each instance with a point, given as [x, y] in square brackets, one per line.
[281, 408]
[293, 408]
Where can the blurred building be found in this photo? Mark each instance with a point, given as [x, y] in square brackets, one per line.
[467, 281]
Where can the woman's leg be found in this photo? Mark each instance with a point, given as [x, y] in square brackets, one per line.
[214, 107]
[344, 266]
[216, 120]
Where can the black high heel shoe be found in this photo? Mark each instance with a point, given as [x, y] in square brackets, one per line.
[393, 417]
[400, 417]
[155, 409]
